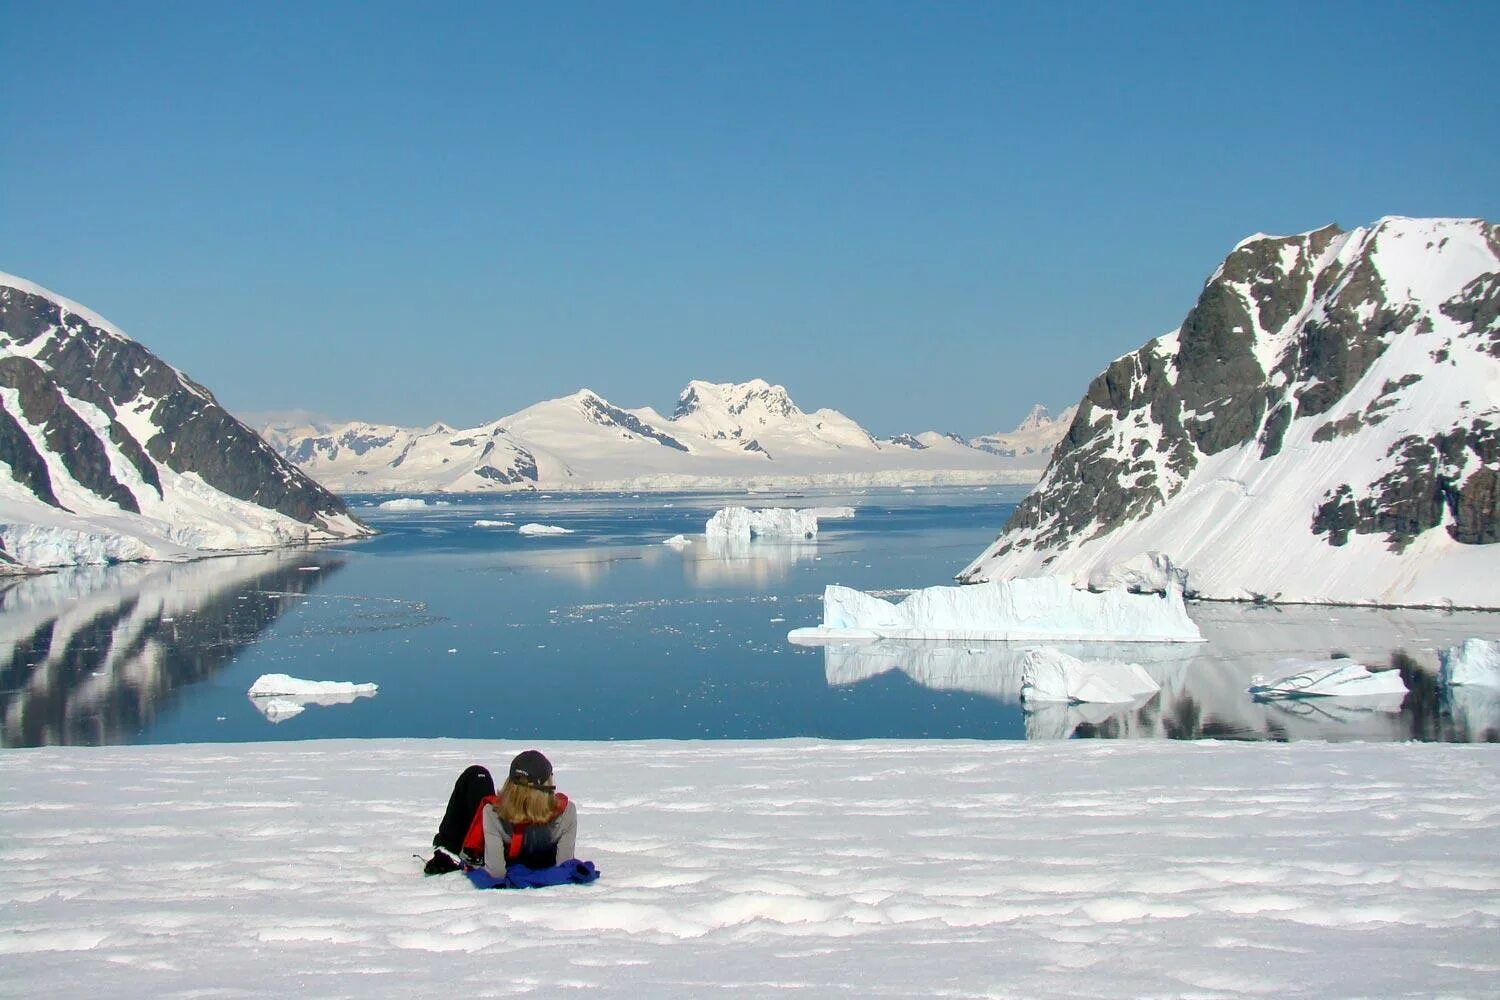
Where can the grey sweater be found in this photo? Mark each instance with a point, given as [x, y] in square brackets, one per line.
[561, 833]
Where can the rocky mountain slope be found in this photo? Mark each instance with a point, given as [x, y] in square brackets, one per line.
[110, 454]
[719, 435]
[1323, 427]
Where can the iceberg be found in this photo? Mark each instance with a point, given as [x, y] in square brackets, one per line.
[1050, 675]
[1032, 609]
[1329, 679]
[542, 529]
[743, 524]
[1475, 663]
[272, 685]
[483, 523]
[280, 696]
[403, 503]
[678, 541]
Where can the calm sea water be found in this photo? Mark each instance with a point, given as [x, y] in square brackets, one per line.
[605, 633]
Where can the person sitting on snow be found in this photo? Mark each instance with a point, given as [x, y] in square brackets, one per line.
[527, 823]
[530, 822]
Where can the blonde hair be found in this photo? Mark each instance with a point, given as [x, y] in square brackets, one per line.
[517, 804]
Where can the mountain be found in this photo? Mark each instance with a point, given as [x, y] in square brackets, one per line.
[720, 435]
[1323, 427]
[1038, 434]
[112, 455]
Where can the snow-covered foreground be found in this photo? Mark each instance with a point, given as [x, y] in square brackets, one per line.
[875, 868]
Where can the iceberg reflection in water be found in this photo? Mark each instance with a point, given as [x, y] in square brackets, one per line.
[723, 560]
[1204, 688]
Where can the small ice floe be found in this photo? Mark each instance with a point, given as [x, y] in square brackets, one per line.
[309, 569]
[678, 541]
[1050, 675]
[482, 523]
[403, 503]
[1475, 663]
[280, 696]
[1341, 678]
[1045, 609]
[831, 513]
[542, 529]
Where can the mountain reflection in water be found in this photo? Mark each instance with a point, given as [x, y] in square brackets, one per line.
[94, 654]
[1204, 686]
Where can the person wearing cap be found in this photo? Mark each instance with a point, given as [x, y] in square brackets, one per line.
[528, 822]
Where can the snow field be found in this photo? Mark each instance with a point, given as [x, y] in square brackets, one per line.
[873, 868]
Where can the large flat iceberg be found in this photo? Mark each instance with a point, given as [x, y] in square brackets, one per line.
[1034, 609]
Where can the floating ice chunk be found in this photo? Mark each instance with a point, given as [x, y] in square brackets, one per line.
[542, 529]
[482, 523]
[1475, 663]
[769, 522]
[1041, 608]
[1052, 675]
[830, 513]
[1328, 679]
[1147, 573]
[403, 503]
[279, 696]
[678, 541]
[272, 685]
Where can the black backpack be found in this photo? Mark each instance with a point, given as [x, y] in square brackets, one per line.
[471, 788]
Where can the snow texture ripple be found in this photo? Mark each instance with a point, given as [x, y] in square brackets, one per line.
[889, 869]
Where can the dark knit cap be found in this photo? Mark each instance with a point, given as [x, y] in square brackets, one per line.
[531, 769]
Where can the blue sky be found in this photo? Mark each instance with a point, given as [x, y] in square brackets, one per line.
[928, 216]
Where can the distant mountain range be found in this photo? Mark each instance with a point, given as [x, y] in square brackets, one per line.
[1038, 434]
[1323, 427]
[720, 435]
[110, 454]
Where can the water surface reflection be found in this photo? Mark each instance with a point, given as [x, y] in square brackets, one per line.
[1204, 686]
[94, 654]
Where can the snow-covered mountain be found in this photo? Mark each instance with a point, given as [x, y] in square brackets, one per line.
[1038, 434]
[110, 454]
[720, 435]
[1323, 427]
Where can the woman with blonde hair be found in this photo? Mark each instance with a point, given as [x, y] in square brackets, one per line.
[529, 822]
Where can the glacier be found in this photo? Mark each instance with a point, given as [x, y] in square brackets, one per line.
[1036, 608]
